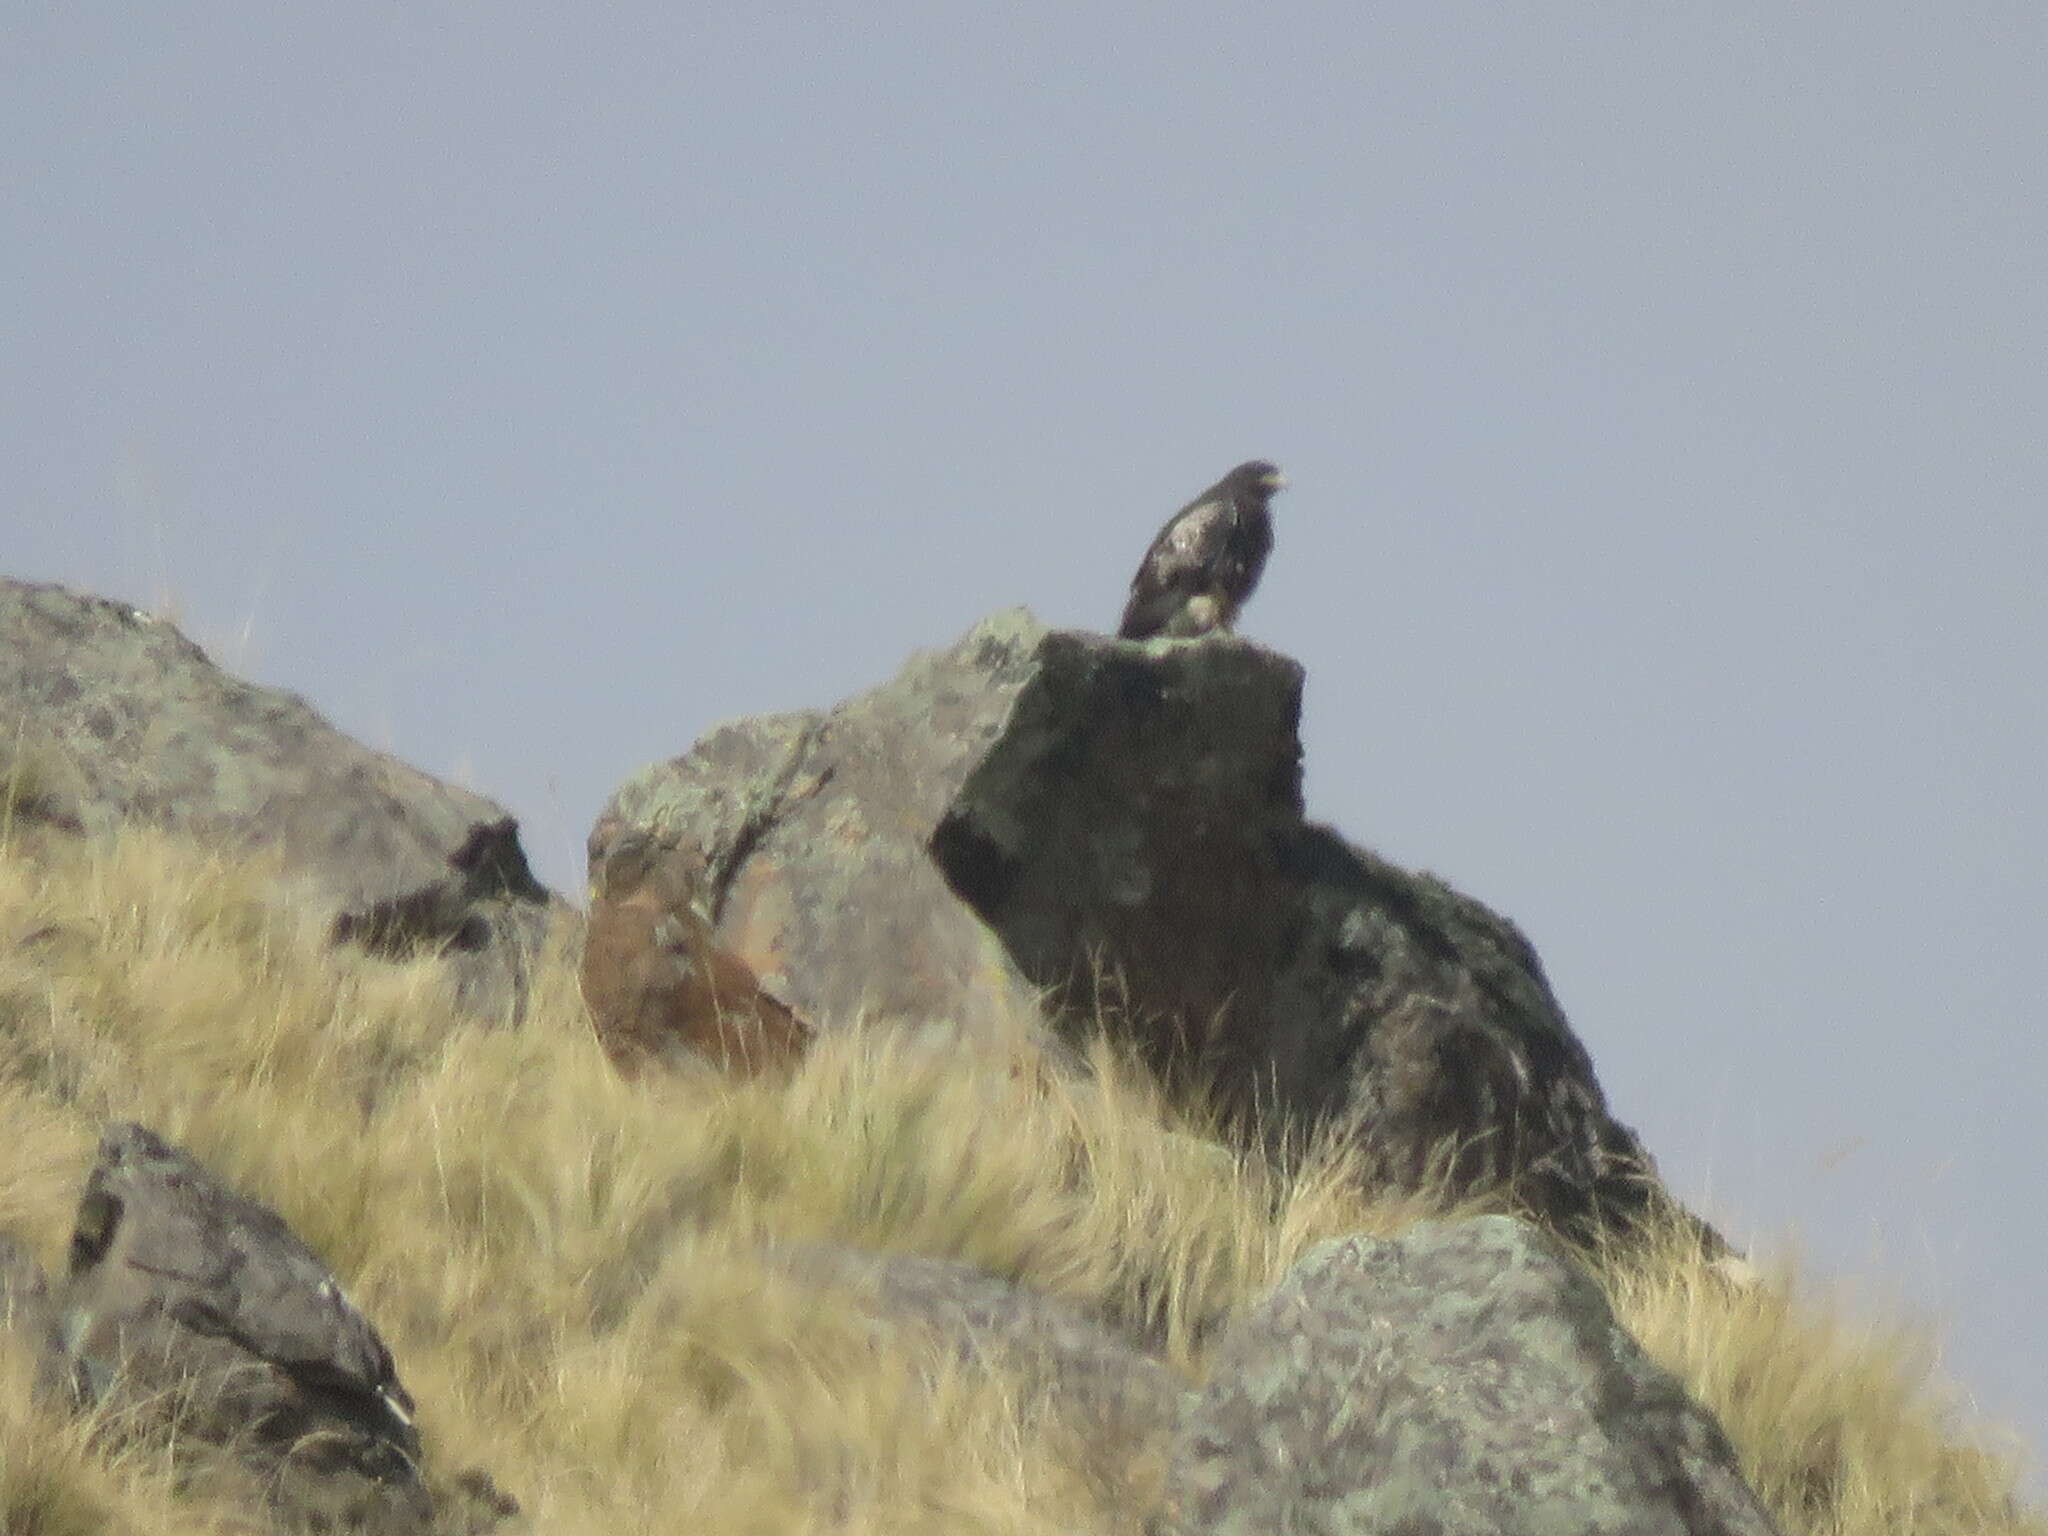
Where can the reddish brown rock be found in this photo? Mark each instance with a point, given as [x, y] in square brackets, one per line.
[658, 983]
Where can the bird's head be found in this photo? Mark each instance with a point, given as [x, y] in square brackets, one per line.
[1256, 475]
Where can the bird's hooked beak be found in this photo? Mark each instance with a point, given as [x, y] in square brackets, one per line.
[1273, 480]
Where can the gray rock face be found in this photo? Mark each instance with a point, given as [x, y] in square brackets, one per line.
[188, 1302]
[810, 829]
[1466, 1378]
[1047, 1344]
[1117, 1402]
[28, 1315]
[108, 715]
[1033, 811]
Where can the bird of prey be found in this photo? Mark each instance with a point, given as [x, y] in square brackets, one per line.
[1207, 559]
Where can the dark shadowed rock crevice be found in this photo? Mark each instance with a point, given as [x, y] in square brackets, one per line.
[1033, 813]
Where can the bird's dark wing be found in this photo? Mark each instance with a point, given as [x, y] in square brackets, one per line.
[1178, 565]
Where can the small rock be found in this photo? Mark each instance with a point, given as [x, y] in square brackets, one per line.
[190, 1305]
[28, 1314]
[472, 1504]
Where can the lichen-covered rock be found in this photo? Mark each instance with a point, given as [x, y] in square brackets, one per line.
[190, 1307]
[1465, 1379]
[810, 830]
[1035, 813]
[109, 715]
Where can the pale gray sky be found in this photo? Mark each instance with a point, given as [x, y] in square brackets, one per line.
[1663, 390]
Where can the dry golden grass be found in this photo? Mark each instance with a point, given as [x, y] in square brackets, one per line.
[569, 1269]
[1841, 1423]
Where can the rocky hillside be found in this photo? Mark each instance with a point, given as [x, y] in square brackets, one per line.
[988, 1104]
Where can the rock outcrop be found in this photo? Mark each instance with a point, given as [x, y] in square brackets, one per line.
[109, 716]
[1033, 812]
[1028, 815]
[1464, 1379]
[190, 1306]
[810, 833]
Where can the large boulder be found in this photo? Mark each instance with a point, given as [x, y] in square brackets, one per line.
[1119, 826]
[110, 716]
[809, 833]
[190, 1306]
[1464, 1379]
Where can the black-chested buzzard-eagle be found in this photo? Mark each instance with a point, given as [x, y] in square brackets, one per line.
[1207, 559]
